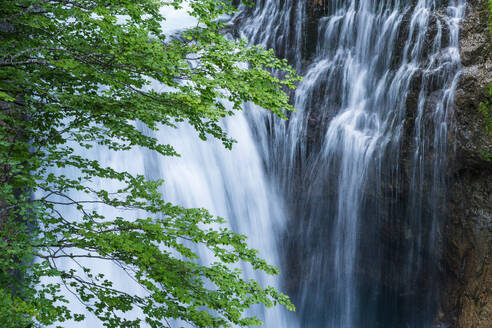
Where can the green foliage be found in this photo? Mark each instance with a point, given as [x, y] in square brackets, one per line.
[490, 16]
[485, 156]
[485, 108]
[77, 72]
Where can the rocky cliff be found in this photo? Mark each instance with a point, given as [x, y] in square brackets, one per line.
[467, 234]
[458, 267]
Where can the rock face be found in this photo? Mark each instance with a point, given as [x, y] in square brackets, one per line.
[467, 235]
[461, 259]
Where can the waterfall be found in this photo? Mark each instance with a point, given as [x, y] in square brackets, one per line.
[347, 195]
[231, 184]
[362, 161]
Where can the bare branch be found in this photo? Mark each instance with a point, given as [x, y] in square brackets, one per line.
[35, 8]
[26, 62]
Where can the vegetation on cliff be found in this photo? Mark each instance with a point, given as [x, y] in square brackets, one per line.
[75, 74]
[485, 107]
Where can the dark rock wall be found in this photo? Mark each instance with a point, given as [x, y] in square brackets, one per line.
[467, 235]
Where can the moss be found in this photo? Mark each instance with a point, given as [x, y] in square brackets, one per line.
[486, 156]
[485, 108]
[490, 17]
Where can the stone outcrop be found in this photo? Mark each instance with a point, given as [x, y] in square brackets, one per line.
[467, 234]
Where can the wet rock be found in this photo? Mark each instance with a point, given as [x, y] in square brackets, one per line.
[467, 235]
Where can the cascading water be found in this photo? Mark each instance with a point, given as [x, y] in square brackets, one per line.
[359, 166]
[229, 183]
[362, 161]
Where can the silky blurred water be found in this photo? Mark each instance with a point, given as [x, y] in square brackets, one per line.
[316, 193]
[229, 183]
[362, 244]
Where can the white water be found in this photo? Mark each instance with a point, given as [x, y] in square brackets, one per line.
[357, 95]
[229, 184]
[355, 89]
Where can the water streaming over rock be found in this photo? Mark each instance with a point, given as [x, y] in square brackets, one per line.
[362, 161]
[228, 183]
[351, 188]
